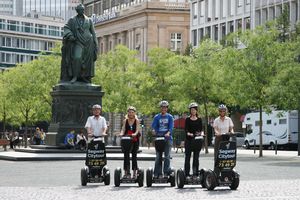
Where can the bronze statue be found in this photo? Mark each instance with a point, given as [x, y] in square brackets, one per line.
[80, 48]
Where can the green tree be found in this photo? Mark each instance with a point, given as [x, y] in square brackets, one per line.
[283, 24]
[255, 69]
[155, 79]
[197, 79]
[28, 89]
[117, 72]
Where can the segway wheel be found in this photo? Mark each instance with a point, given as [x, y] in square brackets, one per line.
[210, 180]
[106, 177]
[84, 177]
[149, 176]
[140, 177]
[172, 178]
[235, 181]
[104, 170]
[117, 176]
[180, 178]
[202, 176]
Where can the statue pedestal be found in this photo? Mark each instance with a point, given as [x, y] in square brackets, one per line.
[71, 106]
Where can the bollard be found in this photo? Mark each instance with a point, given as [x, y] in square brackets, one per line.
[254, 146]
[275, 147]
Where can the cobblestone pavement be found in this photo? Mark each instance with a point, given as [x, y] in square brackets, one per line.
[268, 178]
[252, 190]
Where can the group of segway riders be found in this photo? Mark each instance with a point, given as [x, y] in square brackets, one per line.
[223, 173]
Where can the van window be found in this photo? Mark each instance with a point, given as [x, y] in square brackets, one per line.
[269, 121]
[282, 121]
[249, 129]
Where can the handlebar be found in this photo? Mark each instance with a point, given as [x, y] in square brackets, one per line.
[227, 134]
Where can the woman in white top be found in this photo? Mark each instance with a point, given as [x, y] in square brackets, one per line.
[222, 124]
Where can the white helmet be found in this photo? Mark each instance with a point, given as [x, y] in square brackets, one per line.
[96, 106]
[222, 107]
[131, 108]
[163, 104]
[193, 105]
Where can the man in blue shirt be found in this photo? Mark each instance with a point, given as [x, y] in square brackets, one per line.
[69, 140]
[162, 125]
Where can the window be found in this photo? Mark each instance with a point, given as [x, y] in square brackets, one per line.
[194, 10]
[202, 8]
[53, 31]
[2, 57]
[137, 41]
[247, 20]
[194, 36]
[8, 42]
[40, 29]
[282, 121]
[176, 42]
[269, 121]
[27, 27]
[257, 123]
[12, 25]
[2, 25]
[240, 3]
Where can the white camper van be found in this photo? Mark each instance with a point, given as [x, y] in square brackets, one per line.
[277, 126]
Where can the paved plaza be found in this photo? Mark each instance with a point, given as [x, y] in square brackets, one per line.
[268, 178]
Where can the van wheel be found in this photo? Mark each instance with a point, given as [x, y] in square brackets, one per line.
[247, 145]
[272, 146]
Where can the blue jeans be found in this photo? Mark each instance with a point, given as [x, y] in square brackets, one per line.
[158, 162]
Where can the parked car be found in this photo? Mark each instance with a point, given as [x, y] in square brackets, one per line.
[239, 138]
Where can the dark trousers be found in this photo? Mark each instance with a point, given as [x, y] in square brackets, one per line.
[82, 144]
[188, 154]
[134, 149]
[13, 143]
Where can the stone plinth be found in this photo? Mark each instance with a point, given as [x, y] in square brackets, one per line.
[71, 106]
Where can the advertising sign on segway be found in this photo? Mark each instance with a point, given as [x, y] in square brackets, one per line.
[225, 161]
[95, 170]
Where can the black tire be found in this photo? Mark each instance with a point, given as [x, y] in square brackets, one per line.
[84, 177]
[117, 176]
[235, 181]
[202, 177]
[180, 178]
[247, 145]
[106, 177]
[141, 177]
[104, 170]
[272, 146]
[210, 180]
[149, 176]
[172, 178]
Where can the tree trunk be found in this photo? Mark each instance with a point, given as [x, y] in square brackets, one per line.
[26, 128]
[260, 132]
[206, 132]
[299, 130]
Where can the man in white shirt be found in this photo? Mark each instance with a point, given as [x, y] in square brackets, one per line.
[96, 124]
[222, 124]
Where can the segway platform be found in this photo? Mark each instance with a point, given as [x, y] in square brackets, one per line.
[126, 144]
[160, 143]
